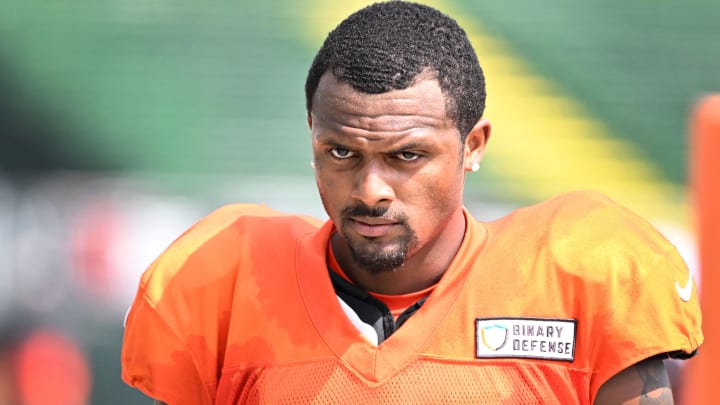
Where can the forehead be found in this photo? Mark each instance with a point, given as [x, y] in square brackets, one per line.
[337, 105]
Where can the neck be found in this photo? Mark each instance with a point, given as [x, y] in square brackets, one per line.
[422, 269]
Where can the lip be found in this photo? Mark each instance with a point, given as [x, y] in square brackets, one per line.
[372, 227]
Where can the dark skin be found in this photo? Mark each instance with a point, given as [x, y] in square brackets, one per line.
[400, 150]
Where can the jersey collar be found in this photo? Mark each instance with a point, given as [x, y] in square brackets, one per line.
[370, 362]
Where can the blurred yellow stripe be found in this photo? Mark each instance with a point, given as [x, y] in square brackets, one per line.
[544, 142]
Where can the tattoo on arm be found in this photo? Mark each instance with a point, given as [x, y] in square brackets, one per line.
[645, 383]
[655, 383]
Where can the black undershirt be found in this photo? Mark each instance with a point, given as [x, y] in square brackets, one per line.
[371, 310]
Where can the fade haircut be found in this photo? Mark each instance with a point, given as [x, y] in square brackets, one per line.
[385, 46]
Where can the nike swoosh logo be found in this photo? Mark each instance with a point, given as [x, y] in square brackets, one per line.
[685, 293]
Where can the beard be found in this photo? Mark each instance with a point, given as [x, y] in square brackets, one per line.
[371, 254]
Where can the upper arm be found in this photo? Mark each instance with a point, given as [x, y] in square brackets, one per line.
[646, 382]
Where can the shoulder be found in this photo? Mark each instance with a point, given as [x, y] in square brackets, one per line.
[180, 317]
[258, 219]
[587, 238]
[590, 230]
[596, 213]
[587, 223]
[614, 272]
[578, 207]
[218, 243]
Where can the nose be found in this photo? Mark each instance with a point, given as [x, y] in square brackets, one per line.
[372, 186]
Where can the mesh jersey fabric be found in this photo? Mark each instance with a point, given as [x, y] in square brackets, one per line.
[240, 309]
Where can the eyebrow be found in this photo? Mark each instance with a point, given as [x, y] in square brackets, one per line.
[334, 139]
[402, 148]
[408, 146]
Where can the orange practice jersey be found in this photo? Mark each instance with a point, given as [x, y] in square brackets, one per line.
[541, 306]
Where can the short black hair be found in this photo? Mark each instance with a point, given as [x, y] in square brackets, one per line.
[385, 46]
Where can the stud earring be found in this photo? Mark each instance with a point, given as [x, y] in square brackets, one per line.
[312, 164]
[475, 166]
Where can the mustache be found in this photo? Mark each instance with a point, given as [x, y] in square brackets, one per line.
[362, 210]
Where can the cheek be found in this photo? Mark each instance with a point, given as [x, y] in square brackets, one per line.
[436, 199]
[329, 192]
[322, 186]
[439, 192]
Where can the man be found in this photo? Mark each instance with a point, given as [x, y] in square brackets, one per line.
[403, 297]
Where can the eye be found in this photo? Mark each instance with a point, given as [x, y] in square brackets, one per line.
[408, 156]
[341, 153]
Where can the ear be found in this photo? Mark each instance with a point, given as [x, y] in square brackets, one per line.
[309, 120]
[475, 143]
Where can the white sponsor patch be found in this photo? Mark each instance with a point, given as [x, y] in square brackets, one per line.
[532, 338]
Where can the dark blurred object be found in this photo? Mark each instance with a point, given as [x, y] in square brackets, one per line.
[12, 331]
[35, 139]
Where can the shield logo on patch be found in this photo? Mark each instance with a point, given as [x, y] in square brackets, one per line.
[494, 336]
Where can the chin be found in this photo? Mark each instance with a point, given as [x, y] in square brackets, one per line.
[383, 259]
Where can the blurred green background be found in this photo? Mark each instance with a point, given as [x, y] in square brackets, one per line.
[180, 87]
[188, 99]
